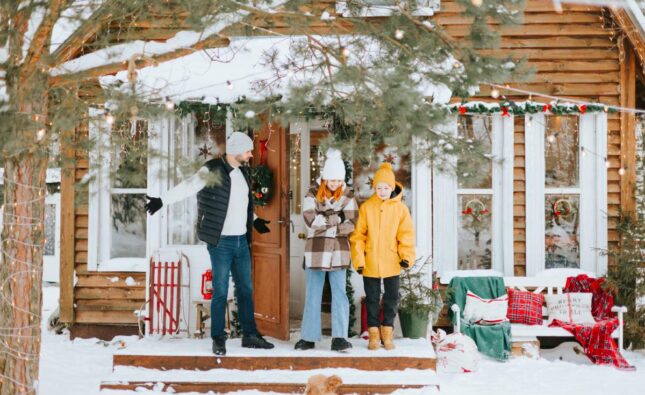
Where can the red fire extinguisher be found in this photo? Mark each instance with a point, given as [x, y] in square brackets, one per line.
[207, 284]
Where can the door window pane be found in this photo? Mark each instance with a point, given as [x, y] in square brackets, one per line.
[561, 152]
[475, 232]
[476, 171]
[50, 230]
[130, 155]
[128, 226]
[295, 169]
[562, 231]
[192, 148]
[362, 176]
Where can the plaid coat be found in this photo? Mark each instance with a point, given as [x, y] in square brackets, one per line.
[327, 246]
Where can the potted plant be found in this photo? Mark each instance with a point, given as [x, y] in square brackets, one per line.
[420, 300]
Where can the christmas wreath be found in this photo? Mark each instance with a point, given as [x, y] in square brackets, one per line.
[261, 179]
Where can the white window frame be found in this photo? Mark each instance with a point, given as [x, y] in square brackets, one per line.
[100, 193]
[375, 10]
[51, 263]
[446, 213]
[593, 192]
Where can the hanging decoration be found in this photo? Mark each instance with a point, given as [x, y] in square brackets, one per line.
[509, 107]
[215, 113]
[262, 179]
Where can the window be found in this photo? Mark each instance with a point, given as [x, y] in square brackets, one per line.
[566, 192]
[374, 8]
[473, 223]
[117, 223]
[51, 250]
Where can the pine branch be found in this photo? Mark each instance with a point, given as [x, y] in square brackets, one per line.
[42, 37]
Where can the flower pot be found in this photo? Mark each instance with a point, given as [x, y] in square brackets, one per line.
[414, 324]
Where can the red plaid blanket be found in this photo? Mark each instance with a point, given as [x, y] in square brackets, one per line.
[596, 340]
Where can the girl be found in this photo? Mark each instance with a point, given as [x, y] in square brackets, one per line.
[382, 244]
[329, 211]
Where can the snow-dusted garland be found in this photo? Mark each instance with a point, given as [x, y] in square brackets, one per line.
[508, 108]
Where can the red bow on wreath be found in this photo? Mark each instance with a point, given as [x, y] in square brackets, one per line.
[505, 112]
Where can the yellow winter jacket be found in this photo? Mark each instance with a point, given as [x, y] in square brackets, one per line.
[384, 235]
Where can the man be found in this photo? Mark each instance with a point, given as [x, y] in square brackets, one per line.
[224, 219]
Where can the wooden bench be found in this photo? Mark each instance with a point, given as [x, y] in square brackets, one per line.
[522, 333]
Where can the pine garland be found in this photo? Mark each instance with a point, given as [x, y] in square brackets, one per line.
[509, 107]
[216, 112]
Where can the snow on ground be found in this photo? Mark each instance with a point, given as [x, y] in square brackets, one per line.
[77, 368]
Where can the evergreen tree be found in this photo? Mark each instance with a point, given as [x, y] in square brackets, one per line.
[376, 77]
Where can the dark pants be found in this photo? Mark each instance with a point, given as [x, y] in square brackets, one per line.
[373, 300]
[231, 256]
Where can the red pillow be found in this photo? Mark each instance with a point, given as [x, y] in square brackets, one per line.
[525, 307]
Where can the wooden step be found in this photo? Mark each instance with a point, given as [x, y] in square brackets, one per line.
[196, 355]
[223, 387]
[283, 381]
[167, 362]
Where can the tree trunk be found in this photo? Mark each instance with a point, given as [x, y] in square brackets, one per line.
[21, 272]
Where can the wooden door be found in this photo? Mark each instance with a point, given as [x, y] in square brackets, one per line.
[270, 251]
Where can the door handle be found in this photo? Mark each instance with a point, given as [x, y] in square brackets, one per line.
[282, 222]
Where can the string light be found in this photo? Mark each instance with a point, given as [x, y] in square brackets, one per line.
[477, 3]
[109, 118]
[169, 104]
[607, 165]
[398, 34]
[229, 85]
[494, 93]
[621, 171]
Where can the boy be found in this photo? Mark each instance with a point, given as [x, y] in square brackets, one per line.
[382, 244]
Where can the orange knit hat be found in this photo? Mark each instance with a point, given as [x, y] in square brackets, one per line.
[384, 174]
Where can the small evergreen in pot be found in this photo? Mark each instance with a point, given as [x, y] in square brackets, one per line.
[420, 300]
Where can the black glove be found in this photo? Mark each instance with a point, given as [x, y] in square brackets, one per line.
[404, 264]
[153, 205]
[341, 216]
[261, 225]
[359, 270]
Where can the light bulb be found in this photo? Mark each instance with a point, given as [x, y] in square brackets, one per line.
[477, 3]
[40, 134]
[169, 104]
[621, 171]
[494, 93]
[229, 85]
[109, 118]
[398, 34]
[607, 163]
[551, 139]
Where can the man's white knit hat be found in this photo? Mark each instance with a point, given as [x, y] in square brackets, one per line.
[334, 168]
[238, 143]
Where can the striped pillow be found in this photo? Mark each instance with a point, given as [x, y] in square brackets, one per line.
[483, 311]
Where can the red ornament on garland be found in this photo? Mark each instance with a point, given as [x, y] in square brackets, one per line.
[462, 110]
[546, 108]
[582, 108]
[505, 112]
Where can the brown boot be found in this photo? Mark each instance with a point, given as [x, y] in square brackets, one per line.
[375, 338]
[386, 335]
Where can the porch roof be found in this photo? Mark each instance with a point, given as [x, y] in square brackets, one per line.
[226, 74]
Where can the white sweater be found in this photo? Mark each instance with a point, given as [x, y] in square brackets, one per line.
[235, 221]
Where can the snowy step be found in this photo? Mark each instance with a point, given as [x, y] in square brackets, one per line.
[193, 354]
[282, 381]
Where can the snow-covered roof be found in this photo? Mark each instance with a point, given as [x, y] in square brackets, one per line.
[225, 74]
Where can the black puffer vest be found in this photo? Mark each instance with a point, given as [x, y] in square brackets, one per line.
[212, 203]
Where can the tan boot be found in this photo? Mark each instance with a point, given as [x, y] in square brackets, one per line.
[375, 338]
[386, 335]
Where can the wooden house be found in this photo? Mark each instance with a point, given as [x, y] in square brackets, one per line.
[581, 166]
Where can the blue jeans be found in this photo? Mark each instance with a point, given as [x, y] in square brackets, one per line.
[339, 304]
[231, 256]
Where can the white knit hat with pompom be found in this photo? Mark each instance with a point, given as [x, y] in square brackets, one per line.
[334, 168]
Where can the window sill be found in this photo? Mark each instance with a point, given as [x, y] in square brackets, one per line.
[124, 265]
